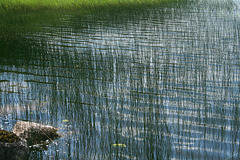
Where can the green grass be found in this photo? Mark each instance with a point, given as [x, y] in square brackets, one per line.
[28, 5]
[22, 16]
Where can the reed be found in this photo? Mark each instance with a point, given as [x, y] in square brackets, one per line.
[21, 16]
[27, 5]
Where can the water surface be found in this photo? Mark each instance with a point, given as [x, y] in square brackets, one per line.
[164, 82]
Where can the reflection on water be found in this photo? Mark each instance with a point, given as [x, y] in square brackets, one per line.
[164, 82]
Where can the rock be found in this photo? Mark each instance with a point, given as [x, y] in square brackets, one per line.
[35, 133]
[8, 137]
[15, 145]
[12, 147]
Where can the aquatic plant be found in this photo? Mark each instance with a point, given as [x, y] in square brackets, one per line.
[21, 16]
[26, 5]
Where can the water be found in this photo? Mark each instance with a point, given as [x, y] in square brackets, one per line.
[162, 82]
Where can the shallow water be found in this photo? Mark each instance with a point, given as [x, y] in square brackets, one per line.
[163, 82]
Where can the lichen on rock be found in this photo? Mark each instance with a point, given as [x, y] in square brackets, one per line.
[35, 132]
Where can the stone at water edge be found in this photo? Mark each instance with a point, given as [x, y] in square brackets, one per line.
[34, 132]
[13, 150]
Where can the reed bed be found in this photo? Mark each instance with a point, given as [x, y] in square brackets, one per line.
[21, 16]
[28, 5]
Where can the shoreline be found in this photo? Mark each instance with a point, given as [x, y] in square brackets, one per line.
[22, 6]
[21, 16]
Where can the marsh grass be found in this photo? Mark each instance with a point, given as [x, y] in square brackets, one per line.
[21, 16]
[27, 5]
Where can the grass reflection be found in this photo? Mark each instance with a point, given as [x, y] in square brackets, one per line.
[143, 80]
[24, 16]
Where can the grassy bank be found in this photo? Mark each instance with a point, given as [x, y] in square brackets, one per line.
[34, 5]
[21, 16]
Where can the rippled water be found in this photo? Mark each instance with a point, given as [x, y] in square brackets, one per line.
[163, 82]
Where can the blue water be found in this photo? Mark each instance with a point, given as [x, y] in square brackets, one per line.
[163, 82]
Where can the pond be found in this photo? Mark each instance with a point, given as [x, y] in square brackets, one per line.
[161, 82]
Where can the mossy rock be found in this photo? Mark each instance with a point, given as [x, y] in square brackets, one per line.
[12, 147]
[8, 137]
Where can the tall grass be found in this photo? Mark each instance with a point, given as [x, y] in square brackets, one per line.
[23, 5]
[20, 16]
